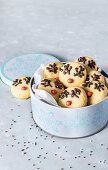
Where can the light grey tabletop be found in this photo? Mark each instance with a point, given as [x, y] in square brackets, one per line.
[66, 29]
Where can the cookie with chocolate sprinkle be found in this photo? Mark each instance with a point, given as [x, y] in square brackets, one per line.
[88, 62]
[52, 70]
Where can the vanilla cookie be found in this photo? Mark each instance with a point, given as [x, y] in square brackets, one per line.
[88, 62]
[96, 91]
[51, 70]
[96, 76]
[20, 87]
[72, 74]
[73, 97]
[52, 86]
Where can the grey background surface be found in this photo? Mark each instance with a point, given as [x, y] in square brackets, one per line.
[66, 29]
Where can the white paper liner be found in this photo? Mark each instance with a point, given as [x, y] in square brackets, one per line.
[44, 95]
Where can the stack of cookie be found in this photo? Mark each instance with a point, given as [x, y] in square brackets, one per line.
[74, 84]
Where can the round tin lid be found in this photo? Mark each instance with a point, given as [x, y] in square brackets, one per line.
[23, 65]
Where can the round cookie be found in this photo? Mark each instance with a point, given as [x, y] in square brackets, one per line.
[96, 76]
[73, 97]
[20, 87]
[51, 70]
[72, 74]
[88, 62]
[96, 91]
[52, 86]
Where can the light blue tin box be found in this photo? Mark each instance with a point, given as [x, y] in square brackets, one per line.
[69, 122]
[62, 122]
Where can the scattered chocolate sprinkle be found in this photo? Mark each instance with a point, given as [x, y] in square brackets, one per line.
[27, 79]
[87, 84]
[91, 64]
[46, 83]
[58, 84]
[64, 94]
[95, 77]
[75, 92]
[82, 59]
[99, 86]
[79, 71]
[52, 68]
[67, 69]
[16, 82]
[87, 78]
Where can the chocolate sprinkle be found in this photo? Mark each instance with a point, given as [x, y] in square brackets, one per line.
[99, 86]
[46, 83]
[87, 78]
[91, 64]
[67, 69]
[87, 84]
[52, 68]
[64, 94]
[75, 92]
[58, 84]
[82, 59]
[16, 82]
[27, 79]
[79, 71]
[95, 77]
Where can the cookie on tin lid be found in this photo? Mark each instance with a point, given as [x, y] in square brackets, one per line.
[73, 97]
[88, 62]
[52, 86]
[72, 74]
[51, 70]
[20, 87]
[96, 91]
